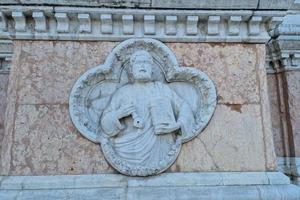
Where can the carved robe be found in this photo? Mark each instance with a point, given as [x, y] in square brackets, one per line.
[142, 146]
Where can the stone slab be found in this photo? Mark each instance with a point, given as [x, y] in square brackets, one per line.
[162, 180]
[277, 129]
[51, 68]
[10, 116]
[191, 4]
[258, 185]
[48, 70]
[40, 138]
[3, 91]
[293, 92]
[226, 147]
[92, 3]
[277, 4]
[3, 103]
[46, 142]
[231, 66]
[215, 4]
[261, 72]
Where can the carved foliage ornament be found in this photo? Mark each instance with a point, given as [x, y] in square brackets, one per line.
[140, 105]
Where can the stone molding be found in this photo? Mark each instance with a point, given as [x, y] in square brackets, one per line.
[280, 59]
[213, 185]
[283, 50]
[82, 23]
[5, 56]
[289, 165]
[187, 4]
[117, 180]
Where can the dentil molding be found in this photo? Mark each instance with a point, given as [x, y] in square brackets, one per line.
[97, 24]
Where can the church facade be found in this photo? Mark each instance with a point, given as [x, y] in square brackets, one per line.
[150, 99]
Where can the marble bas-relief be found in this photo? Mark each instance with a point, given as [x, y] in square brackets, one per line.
[141, 106]
[143, 119]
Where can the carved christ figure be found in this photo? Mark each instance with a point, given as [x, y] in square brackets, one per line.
[144, 116]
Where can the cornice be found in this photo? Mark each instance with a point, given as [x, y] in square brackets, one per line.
[283, 50]
[108, 24]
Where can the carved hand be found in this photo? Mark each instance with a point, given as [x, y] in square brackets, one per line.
[123, 111]
[166, 128]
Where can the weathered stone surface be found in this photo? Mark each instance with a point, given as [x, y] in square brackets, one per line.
[277, 4]
[52, 67]
[44, 72]
[49, 69]
[166, 179]
[46, 142]
[185, 186]
[8, 141]
[270, 157]
[232, 67]
[275, 115]
[192, 4]
[233, 141]
[3, 103]
[109, 3]
[216, 4]
[3, 90]
[293, 92]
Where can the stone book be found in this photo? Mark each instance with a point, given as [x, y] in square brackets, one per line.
[163, 117]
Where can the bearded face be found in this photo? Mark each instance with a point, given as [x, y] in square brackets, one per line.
[142, 70]
[141, 66]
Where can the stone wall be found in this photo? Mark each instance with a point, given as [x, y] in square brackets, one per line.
[3, 89]
[274, 91]
[292, 79]
[257, 114]
[40, 138]
[284, 91]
